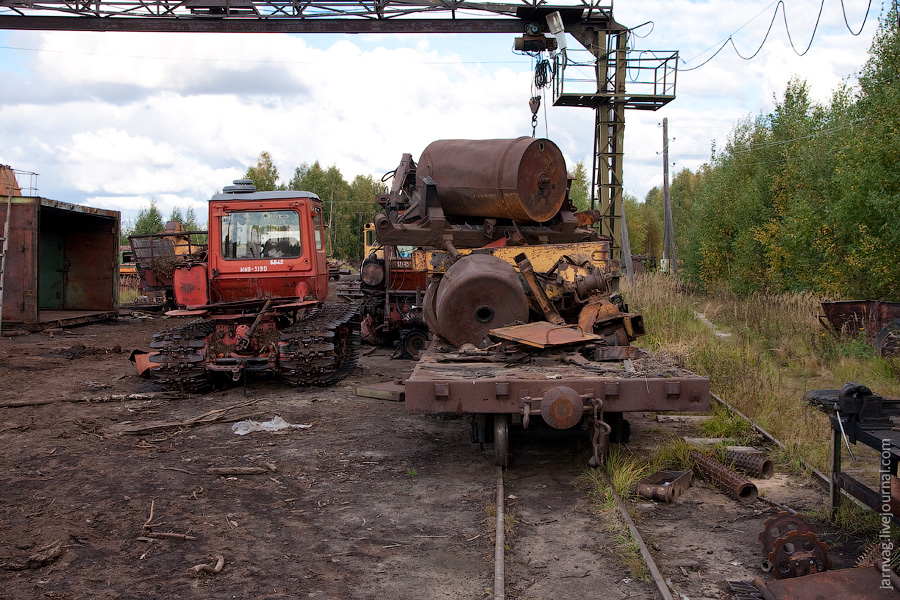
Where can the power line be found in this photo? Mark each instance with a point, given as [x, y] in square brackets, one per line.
[780, 5]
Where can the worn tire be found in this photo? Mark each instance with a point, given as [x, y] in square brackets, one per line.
[888, 340]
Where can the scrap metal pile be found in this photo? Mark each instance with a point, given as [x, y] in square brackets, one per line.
[521, 296]
[499, 239]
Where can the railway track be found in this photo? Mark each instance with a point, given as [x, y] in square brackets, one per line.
[553, 539]
[550, 540]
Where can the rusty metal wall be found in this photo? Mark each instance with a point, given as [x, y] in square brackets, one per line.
[20, 279]
[61, 256]
[90, 244]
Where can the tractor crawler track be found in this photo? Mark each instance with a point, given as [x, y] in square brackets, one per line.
[323, 348]
[320, 349]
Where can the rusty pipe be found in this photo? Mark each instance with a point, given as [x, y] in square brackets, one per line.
[733, 484]
[754, 464]
[527, 271]
[244, 342]
[449, 247]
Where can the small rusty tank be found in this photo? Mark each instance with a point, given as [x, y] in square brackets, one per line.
[478, 293]
[522, 179]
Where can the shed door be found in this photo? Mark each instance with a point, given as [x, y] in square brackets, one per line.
[52, 270]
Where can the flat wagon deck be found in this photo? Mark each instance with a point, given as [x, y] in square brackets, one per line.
[562, 387]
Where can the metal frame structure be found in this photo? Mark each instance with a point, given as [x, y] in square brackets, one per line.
[590, 22]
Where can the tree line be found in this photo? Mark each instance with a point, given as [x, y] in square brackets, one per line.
[346, 207]
[805, 198]
[150, 220]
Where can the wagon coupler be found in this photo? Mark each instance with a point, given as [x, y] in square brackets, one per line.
[600, 437]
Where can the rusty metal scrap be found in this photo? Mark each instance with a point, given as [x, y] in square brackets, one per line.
[779, 526]
[664, 486]
[860, 584]
[791, 547]
[478, 293]
[522, 179]
[733, 484]
[542, 334]
[798, 554]
[754, 464]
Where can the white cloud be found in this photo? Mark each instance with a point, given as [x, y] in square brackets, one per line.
[116, 119]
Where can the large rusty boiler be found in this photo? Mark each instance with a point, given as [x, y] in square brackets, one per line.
[522, 179]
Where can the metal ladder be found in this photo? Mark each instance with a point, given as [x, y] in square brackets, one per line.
[5, 240]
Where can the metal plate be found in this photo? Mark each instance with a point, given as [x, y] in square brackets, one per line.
[542, 334]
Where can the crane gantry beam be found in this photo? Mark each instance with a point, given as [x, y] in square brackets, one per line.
[294, 16]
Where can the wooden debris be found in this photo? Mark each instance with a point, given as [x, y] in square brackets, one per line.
[148, 535]
[393, 391]
[234, 471]
[19, 403]
[687, 419]
[129, 397]
[42, 557]
[14, 332]
[214, 416]
[168, 535]
[101, 398]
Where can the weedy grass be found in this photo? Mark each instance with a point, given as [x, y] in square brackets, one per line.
[673, 455]
[727, 425]
[776, 351]
[620, 473]
[509, 520]
[128, 294]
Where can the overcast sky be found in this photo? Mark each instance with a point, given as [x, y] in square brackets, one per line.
[113, 120]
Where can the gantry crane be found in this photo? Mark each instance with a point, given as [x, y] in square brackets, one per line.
[617, 77]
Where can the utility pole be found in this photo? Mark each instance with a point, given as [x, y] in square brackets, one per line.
[627, 261]
[668, 226]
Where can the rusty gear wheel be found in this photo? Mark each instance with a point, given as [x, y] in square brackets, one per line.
[781, 525]
[798, 554]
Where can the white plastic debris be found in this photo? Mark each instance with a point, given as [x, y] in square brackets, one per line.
[276, 424]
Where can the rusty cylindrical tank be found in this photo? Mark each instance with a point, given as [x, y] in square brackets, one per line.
[478, 293]
[522, 179]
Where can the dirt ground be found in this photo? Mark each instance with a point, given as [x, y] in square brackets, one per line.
[368, 502]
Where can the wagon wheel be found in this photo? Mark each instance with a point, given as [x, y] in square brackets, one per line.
[412, 342]
[501, 440]
[888, 339]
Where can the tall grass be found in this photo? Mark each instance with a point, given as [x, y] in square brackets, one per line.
[776, 352]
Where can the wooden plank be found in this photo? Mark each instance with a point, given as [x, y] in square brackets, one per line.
[392, 391]
[688, 419]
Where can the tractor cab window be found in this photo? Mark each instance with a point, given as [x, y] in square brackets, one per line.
[317, 227]
[261, 234]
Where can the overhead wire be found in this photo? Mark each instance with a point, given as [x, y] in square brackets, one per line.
[780, 5]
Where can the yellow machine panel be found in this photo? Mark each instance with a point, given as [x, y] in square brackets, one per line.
[543, 257]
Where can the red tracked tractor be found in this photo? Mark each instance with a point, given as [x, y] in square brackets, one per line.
[259, 297]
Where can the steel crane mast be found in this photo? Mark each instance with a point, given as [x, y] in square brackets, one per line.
[650, 76]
